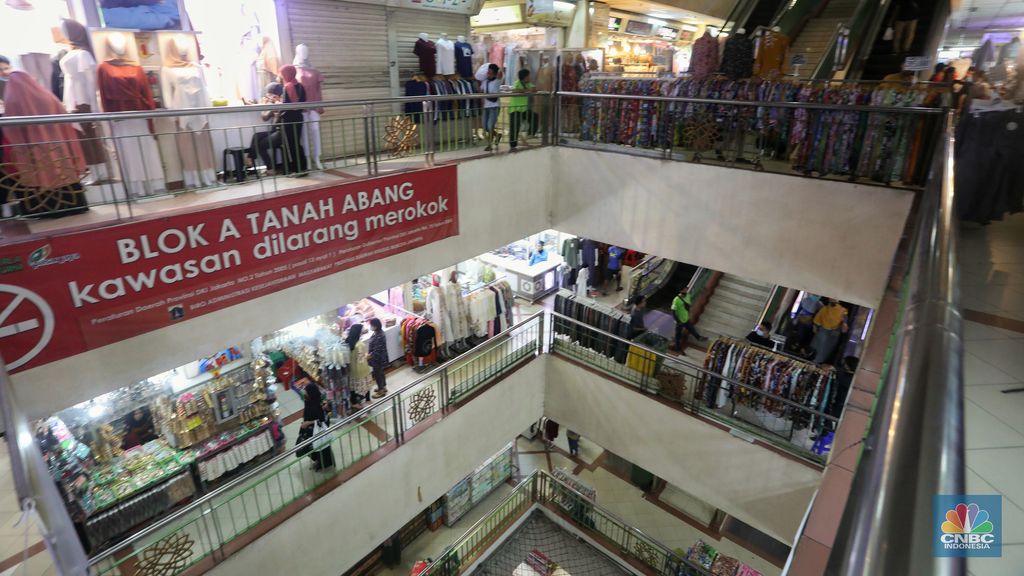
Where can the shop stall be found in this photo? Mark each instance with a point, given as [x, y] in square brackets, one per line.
[130, 455]
[475, 487]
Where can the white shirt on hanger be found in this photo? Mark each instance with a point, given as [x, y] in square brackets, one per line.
[445, 57]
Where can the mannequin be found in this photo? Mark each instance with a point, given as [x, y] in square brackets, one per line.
[463, 58]
[704, 61]
[771, 56]
[426, 51]
[79, 68]
[268, 62]
[437, 312]
[312, 81]
[445, 56]
[496, 54]
[43, 162]
[738, 56]
[458, 313]
[123, 88]
[184, 86]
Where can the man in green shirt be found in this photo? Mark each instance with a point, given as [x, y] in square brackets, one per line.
[519, 108]
[681, 313]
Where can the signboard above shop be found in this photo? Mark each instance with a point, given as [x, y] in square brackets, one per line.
[454, 6]
[639, 28]
[614, 24]
[559, 14]
[668, 33]
[497, 16]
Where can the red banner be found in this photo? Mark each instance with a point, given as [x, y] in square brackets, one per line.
[66, 294]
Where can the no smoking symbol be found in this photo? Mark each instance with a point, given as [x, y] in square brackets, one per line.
[26, 325]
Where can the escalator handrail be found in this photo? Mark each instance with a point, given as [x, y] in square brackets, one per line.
[865, 39]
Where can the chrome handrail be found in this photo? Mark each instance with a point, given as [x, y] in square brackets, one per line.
[915, 447]
[167, 113]
[759, 104]
[681, 360]
[285, 456]
[833, 41]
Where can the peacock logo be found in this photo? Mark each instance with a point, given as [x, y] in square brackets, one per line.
[967, 519]
[968, 525]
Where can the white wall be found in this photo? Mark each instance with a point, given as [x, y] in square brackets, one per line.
[749, 482]
[500, 200]
[349, 522]
[828, 237]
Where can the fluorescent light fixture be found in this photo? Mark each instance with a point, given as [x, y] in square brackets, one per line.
[658, 22]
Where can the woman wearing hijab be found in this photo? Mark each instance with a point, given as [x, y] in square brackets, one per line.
[291, 120]
[44, 162]
[312, 414]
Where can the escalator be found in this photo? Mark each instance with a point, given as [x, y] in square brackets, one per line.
[883, 60]
[659, 280]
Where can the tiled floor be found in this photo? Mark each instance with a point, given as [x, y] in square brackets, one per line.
[992, 281]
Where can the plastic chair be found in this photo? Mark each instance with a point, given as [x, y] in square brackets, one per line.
[237, 155]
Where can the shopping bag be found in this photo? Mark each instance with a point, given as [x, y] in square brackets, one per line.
[888, 34]
[304, 434]
[325, 441]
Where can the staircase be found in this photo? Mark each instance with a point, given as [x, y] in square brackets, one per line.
[734, 308]
[814, 38]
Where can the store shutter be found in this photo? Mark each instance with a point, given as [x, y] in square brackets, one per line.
[408, 24]
[348, 44]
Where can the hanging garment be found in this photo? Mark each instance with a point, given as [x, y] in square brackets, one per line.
[771, 57]
[45, 160]
[124, 87]
[79, 69]
[458, 314]
[704, 61]
[437, 311]
[445, 57]
[426, 51]
[496, 55]
[738, 57]
[361, 375]
[184, 87]
[464, 59]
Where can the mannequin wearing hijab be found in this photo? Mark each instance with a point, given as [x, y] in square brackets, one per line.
[311, 80]
[124, 87]
[44, 162]
[291, 120]
[79, 68]
[183, 86]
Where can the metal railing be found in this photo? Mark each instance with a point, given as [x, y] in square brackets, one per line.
[777, 420]
[215, 520]
[914, 449]
[540, 489]
[146, 155]
[852, 142]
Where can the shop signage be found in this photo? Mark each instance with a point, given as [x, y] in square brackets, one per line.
[668, 33]
[560, 13]
[614, 23]
[497, 16]
[83, 290]
[639, 28]
[917, 63]
[454, 6]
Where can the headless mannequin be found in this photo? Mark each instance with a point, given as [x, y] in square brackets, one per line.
[457, 312]
[183, 86]
[464, 58]
[426, 51]
[312, 81]
[124, 87]
[445, 56]
[79, 68]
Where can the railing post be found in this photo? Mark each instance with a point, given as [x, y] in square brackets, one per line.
[370, 140]
[398, 417]
[556, 119]
[445, 394]
[429, 147]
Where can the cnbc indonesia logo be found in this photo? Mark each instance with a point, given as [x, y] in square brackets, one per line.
[969, 526]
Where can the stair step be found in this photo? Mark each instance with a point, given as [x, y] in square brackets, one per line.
[726, 316]
[741, 284]
[733, 298]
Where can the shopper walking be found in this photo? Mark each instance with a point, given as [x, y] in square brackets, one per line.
[491, 84]
[615, 255]
[519, 109]
[574, 442]
[378, 357]
[681, 312]
[829, 325]
[314, 421]
[636, 317]
[904, 25]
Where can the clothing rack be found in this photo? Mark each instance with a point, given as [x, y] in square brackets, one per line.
[884, 147]
[780, 376]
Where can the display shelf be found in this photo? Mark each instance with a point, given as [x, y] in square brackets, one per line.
[475, 487]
